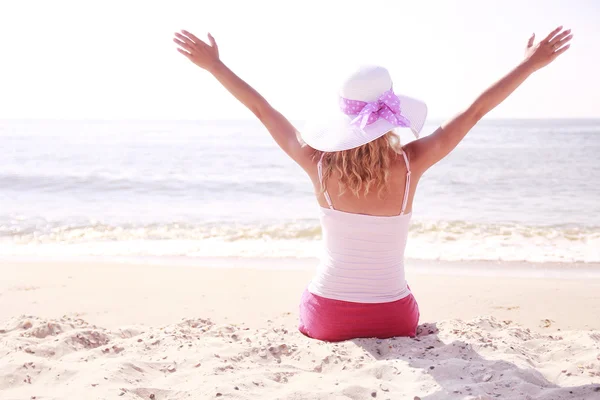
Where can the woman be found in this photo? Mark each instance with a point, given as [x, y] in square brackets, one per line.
[365, 182]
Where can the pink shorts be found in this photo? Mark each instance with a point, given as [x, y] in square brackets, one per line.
[334, 320]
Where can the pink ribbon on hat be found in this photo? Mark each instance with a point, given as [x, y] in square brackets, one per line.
[387, 106]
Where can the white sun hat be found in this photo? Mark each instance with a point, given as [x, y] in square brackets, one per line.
[368, 109]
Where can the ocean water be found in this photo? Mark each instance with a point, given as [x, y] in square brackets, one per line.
[513, 190]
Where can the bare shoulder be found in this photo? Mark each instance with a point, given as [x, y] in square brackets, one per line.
[425, 152]
[414, 154]
[305, 157]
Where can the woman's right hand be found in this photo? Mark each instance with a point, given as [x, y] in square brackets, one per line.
[539, 55]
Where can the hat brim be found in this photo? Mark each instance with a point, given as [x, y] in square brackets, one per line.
[336, 133]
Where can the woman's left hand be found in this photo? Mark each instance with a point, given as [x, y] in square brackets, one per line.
[204, 55]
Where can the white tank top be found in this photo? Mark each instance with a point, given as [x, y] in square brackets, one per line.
[363, 255]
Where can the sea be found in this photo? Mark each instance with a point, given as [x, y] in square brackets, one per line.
[513, 190]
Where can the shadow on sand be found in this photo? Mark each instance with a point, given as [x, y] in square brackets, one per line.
[461, 372]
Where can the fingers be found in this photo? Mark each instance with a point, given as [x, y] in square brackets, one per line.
[195, 49]
[531, 40]
[563, 41]
[552, 34]
[188, 47]
[192, 37]
[560, 51]
[560, 36]
[212, 41]
[185, 53]
[185, 39]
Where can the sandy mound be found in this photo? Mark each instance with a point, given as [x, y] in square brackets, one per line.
[196, 359]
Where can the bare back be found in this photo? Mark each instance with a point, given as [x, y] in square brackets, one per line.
[371, 204]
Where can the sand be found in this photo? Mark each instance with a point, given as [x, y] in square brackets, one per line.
[139, 331]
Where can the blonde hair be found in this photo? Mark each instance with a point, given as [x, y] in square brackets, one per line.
[364, 168]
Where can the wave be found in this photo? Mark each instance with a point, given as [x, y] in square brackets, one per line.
[428, 240]
[106, 184]
[56, 233]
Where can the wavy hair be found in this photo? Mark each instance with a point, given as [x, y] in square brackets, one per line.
[362, 169]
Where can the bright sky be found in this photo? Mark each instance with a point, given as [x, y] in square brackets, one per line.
[115, 58]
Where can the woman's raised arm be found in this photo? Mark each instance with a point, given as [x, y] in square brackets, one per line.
[206, 56]
[430, 149]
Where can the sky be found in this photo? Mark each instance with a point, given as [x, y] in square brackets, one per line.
[116, 59]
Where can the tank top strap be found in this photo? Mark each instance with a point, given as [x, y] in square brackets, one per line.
[320, 171]
[407, 189]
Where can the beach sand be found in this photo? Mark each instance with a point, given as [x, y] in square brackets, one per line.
[140, 331]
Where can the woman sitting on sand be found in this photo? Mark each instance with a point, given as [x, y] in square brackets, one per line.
[365, 182]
